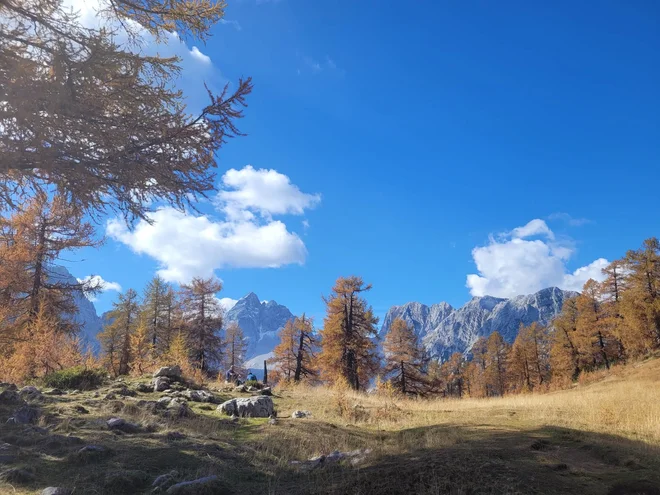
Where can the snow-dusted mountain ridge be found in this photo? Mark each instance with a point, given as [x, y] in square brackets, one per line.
[444, 330]
[260, 322]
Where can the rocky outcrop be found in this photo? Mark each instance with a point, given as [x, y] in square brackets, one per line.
[260, 406]
[260, 322]
[444, 330]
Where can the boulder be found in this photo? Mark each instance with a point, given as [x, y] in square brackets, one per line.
[54, 391]
[260, 406]
[301, 414]
[199, 396]
[126, 392]
[25, 415]
[164, 481]
[178, 408]
[10, 397]
[161, 383]
[172, 372]
[80, 409]
[122, 425]
[91, 453]
[355, 457]
[55, 490]
[30, 393]
[266, 391]
[240, 388]
[208, 484]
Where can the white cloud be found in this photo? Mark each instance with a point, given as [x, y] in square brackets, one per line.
[227, 303]
[512, 264]
[188, 245]
[205, 59]
[534, 227]
[236, 24]
[98, 281]
[570, 220]
[262, 191]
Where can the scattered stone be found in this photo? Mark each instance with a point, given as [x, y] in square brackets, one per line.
[164, 481]
[126, 392]
[260, 406]
[172, 372]
[161, 383]
[234, 418]
[8, 386]
[240, 388]
[144, 388]
[266, 391]
[17, 475]
[115, 406]
[25, 415]
[30, 392]
[301, 414]
[354, 457]
[196, 486]
[122, 425]
[81, 410]
[10, 397]
[53, 490]
[199, 396]
[179, 408]
[91, 453]
[250, 388]
[272, 421]
[110, 396]
[54, 391]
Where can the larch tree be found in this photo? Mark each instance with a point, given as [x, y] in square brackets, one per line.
[203, 322]
[236, 345]
[284, 354]
[640, 304]
[452, 375]
[142, 349]
[156, 313]
[564, 354]
[348, 351]
[529, 360]
[405, 360]
[294, 355]
[496, 367]
[32, 240]
[597, 346]
[74, 95]
[116, 335]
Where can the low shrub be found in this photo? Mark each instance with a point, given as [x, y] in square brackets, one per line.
[79, 378]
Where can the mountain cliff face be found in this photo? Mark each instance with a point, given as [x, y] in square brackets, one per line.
[91, 324]
[444, 330]
[260, 322]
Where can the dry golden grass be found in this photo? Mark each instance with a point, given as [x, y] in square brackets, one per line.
[591, 439]
[625, 401]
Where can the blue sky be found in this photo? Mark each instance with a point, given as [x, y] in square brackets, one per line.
[415, 144]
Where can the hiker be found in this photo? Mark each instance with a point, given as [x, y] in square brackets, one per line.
[251, 377]
[230, 377]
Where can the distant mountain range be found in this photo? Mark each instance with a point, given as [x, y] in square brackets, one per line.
[90, 322]
[441, 328]
[260, 322]
[444, 330]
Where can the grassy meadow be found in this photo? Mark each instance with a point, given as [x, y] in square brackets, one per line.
[596, 438]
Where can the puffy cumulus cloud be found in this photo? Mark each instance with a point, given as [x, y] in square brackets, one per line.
[98, 281]
[187, 245]
[513, 264]
[266, 192]
[198, 55]
[227, 303]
